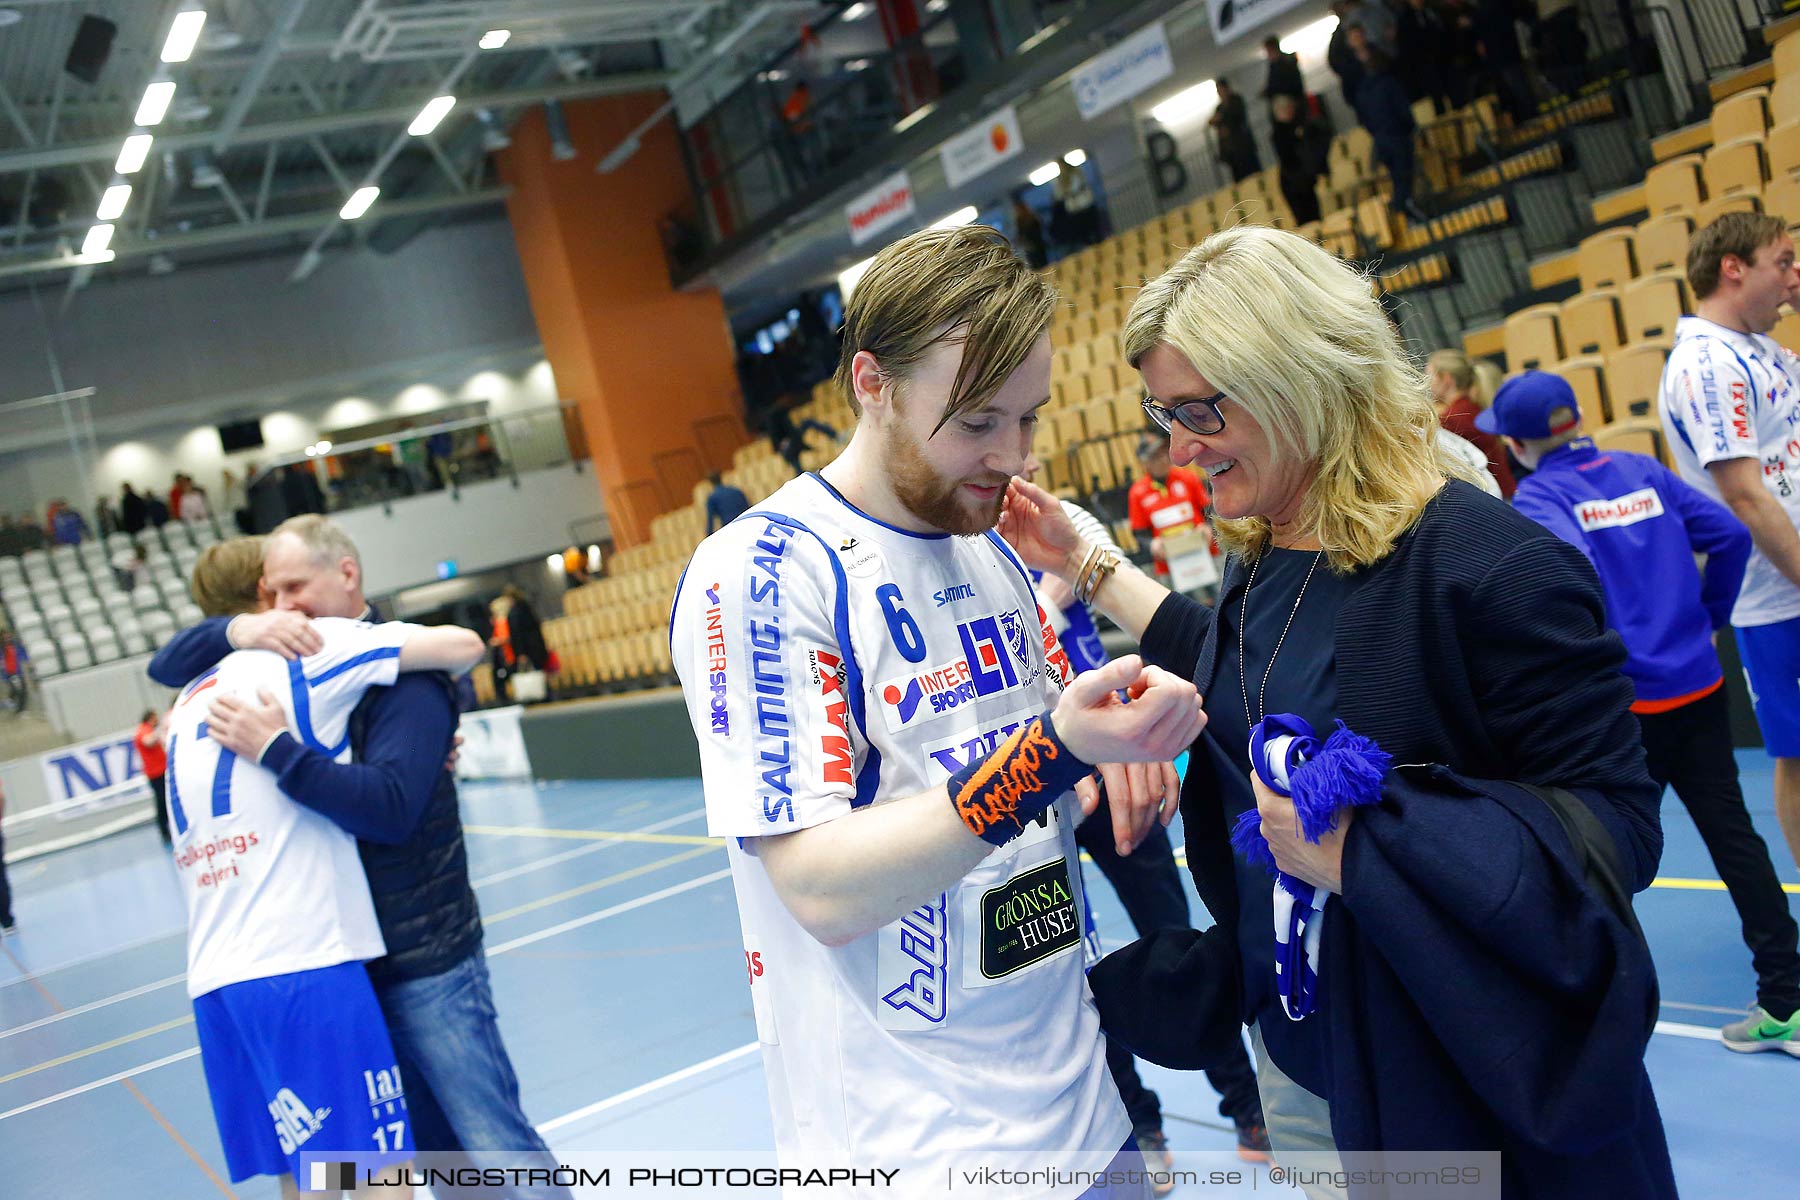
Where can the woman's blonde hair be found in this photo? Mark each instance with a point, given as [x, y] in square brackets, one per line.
[226, 576]
[1464, 372]
[1296, 338]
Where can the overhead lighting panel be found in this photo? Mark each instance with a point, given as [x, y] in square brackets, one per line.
[155, 103]
[184, 34]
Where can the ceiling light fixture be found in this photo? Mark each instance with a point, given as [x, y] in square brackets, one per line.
[183, 35]
[113, 202]
[359, 202]
[133, 154]
[493, 39]
[1045, 173]
[429, 116]
[155, 103]
[98, 239]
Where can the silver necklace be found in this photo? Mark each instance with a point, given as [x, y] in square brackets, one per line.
[1262, 695]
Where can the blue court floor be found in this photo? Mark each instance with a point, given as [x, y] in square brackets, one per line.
[618, 972]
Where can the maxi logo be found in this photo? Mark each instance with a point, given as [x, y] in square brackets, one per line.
[716, 665]
[1740, 411]
[773, 738]
[924, 953]
[826, 671]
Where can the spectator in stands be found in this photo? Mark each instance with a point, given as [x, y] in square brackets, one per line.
[1148, 886]
[8, 924]
[300, 490]
[1302, 151]
[1376, 562]
[439, 448]
[128, 566]
[1074, 217]
[133, 515]
[1561, 44]
[1340, 58]
[1494, 24]
[724, 504]
[1666, 612]
[234, 499]
[1230, 123]
[105, 517]
[524, 629]
[1456, 393]
[1376, 21]
[1284, 77]
[1384, 110]
[12, 666]
[1730, 400]
[1164, 499]
[1028, 233]
[11, 544]
[194, 509]
[31, 535]
[575, 567]
[398, 797]
[182, 483]
[788, 438]
[1423, 58]
[68, 527]
[155, 511]
[154, 758]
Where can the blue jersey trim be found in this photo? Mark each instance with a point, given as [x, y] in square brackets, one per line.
[299, 689]
[839, 496]
[1012, 557]
[352, 663]
[870, 776]
[176, 812]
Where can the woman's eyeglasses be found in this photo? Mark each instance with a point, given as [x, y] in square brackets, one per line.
[1202, 416]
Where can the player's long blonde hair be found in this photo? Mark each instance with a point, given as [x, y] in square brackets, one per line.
[1297, 338]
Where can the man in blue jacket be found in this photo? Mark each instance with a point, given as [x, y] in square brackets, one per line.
[399, 800]
[1641, 526]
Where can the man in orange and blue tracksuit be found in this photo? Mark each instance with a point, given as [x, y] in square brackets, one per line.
[1641, 526]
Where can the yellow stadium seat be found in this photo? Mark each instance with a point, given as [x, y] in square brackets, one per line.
[1787, 57]
[1590, 323]
[1735, 167]
[1588, 377]
[1674, 185]
[1533, 338]
[1743, 115]
[1650, 306]
[1718, 206]
[1782, 199]
[1638, 435]
[1606, 259]
[1782, 145]
[1784, 99]
[1634, 378]
[1662, 242]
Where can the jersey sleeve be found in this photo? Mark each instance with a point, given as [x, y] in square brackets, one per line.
[1709, 395]
[327, 686]
[754, 639]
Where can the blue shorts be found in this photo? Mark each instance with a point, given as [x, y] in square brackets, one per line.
[301, 1062]
[1771, 656]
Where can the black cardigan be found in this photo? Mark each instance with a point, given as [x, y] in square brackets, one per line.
[1479, 644]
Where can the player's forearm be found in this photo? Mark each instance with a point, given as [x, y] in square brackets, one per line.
[1771, 530]
[847, 878]
[190, 653]
[369, 802]
[1130, 598]
[442, 648]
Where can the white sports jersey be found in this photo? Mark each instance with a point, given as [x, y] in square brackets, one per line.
[272, 887]
[1725, 395]
[831, 661]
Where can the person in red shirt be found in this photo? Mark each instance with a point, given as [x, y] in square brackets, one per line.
[1164, 499]
[1456, 392]
[149, 742]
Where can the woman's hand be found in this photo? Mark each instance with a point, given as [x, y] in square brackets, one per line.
[1034, 522]
[1321, 864]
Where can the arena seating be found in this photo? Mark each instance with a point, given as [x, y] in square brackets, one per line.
[66, 608]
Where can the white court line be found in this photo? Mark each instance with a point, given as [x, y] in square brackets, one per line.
[492, 952]
[587, 848]
[644, 1089]
[1700, 1033]
[96, 956]
[53, 1018]
[141, 1069]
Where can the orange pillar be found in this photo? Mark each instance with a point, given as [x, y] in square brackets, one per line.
[653, 369]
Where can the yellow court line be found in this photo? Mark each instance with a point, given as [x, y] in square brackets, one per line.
[118, 1041]
[595, 886]
[596, 835]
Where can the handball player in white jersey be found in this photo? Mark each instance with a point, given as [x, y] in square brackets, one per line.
[294, 1047]
[890, 739]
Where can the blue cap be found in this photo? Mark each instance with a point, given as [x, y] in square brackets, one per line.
[1531, 405]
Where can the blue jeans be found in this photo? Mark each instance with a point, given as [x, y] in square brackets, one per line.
[461, 1093]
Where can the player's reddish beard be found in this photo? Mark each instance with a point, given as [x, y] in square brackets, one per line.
[929, 496]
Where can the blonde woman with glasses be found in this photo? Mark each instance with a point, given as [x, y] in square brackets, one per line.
[1472, 993]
